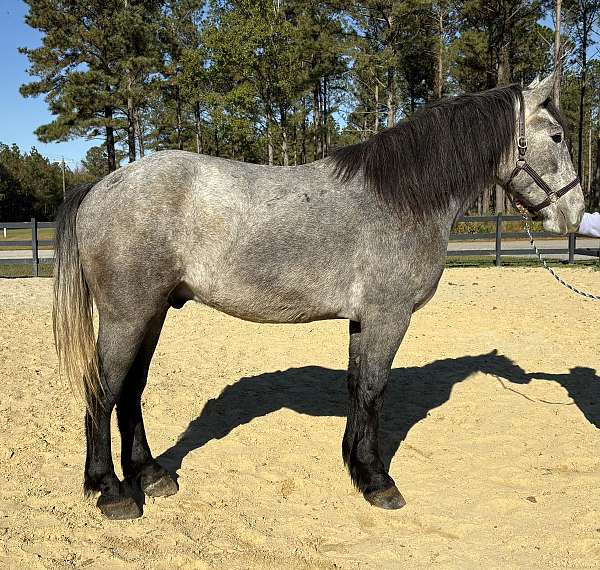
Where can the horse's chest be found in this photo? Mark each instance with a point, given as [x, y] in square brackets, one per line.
[429, 285]
[426, 297]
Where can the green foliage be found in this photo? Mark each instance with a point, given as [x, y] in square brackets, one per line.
[95, 59]
[282, 82]
[29, 184]
[95, 165]
[500, 42]
[490, 227]
[32, 186]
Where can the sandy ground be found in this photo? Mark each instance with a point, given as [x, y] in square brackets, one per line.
[491, 427]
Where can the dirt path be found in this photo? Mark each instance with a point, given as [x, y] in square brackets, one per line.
[498, 472]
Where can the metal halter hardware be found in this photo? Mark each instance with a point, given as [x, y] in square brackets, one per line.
[523, 166]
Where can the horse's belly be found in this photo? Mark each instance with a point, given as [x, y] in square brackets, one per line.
[261, 307]
[263, 298]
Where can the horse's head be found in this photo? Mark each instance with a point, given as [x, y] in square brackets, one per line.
[540, 175]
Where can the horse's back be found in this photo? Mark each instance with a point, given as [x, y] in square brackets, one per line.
[230, 230]
[168, 179]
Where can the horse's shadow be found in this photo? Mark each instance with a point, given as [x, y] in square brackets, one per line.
[411, 393]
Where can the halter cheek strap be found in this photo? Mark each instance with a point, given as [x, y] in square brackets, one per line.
[523, 166]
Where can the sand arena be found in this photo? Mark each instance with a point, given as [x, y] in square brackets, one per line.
[490, 426]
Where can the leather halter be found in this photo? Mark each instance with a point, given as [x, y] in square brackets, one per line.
[523, 166]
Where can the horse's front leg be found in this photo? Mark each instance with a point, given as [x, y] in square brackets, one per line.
[373, 345]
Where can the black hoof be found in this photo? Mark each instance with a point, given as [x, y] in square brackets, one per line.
[389, 498]
[158, 486]
[119, 508]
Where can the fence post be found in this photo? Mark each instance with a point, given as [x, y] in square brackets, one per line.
[572, 248]
[498, 239]
[34, 247]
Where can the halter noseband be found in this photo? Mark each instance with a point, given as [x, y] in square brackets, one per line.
[524, 166]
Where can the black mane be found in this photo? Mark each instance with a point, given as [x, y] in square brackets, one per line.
[450, 149]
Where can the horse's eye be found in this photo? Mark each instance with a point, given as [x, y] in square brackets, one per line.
[557, 138]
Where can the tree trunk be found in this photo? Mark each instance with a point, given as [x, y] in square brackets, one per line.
[324, 135]
[376, 119]
[199, 149]
[284, 141]
[596, 181]
[504, 72]
[270, 139]
[139, 133]
[485, 201]
[391, 118]
[438, 87]
[295, 142]
[491, 77]
[413, 97]
[316, 121]
[110, 140]
[583, 80]
[589, 179]
[597, 169]
[303, 153]
[130, 121]
[179, 121]
[557, 55]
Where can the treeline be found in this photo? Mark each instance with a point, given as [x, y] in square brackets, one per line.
[29, 184]
[33, 186]
[284, 82]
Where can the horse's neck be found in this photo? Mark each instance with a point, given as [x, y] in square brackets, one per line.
[459, 209]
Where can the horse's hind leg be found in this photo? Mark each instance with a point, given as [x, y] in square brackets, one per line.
[373, 344]
[119, 338]
[136, 457]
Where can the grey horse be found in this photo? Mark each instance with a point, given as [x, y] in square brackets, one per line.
[360, 236]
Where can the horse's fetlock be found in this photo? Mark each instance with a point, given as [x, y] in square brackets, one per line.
[105, 483]
[90, 487]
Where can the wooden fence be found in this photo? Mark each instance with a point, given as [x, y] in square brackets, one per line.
[569, 252]
[34, 243]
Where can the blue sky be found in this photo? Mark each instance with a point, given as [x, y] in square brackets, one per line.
[19, 117]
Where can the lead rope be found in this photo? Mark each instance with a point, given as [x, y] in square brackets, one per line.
[543, 261]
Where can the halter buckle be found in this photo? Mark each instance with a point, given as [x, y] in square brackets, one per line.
[553, 198]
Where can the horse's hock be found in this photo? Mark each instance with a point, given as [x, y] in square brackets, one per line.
[490, 429]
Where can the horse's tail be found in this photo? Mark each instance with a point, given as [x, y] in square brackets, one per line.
[73, 305]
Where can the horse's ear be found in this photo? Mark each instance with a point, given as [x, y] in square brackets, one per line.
[535, 82]
[539, 91]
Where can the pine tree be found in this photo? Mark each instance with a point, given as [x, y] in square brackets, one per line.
[92, 65]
